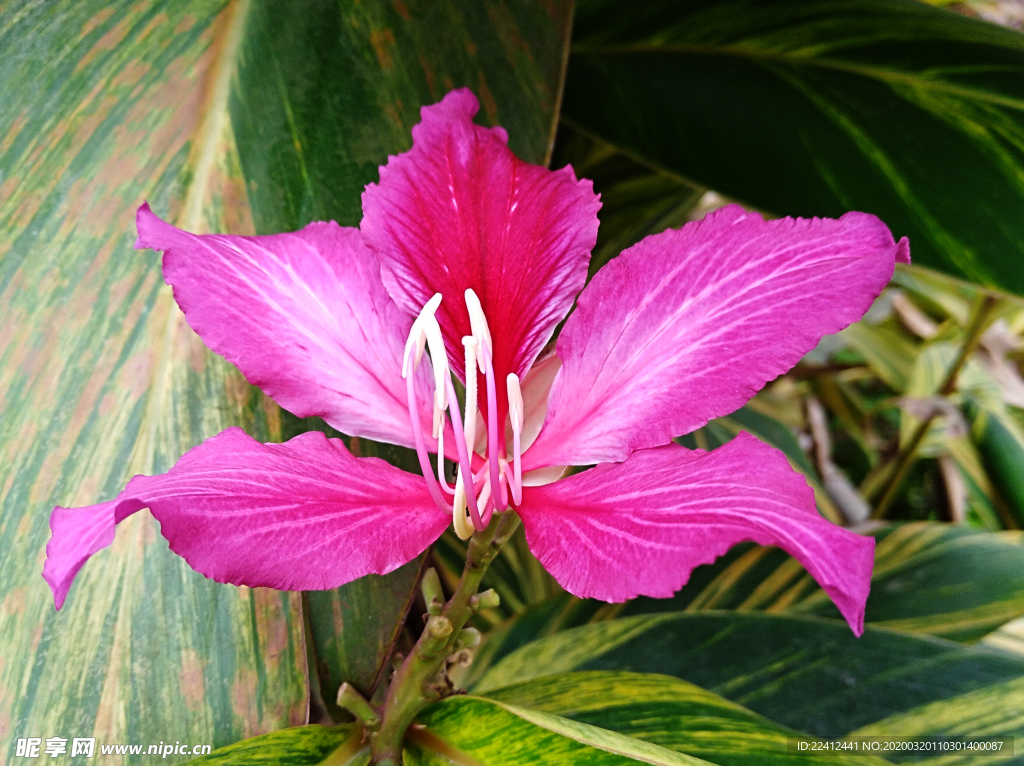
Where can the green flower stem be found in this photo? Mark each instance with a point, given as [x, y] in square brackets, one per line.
[419, 681]
[354, 702]
[907, 456]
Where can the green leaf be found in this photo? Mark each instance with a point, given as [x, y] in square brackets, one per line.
[472, 730]
[667, 712]
[250, 117]
[906, 111]
[989, 713]
[354, 629]
[636, 200]
[300, 746]
[936, 579]
[544, 619]
[888, 352]
[942, 580]
[1009, 637]
[1001, 446]
[328, 91]
[809, 674]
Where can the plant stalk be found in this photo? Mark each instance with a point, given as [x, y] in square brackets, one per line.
[420, 679]
[907, 456]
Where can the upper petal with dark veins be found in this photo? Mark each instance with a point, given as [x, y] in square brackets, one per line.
[303, 315]
[460, 210]
[689, 324]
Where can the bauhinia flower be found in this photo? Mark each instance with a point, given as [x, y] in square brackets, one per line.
[474, 256]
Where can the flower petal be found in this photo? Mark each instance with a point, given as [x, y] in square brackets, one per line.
[303, 515]
[640, 527]
[460, 210]
[303, 315]
[689, 324]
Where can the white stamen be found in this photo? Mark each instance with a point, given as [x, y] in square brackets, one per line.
[478, 322]
[471, 345]
[426, 332]
[438, 420]
[516, 411]
[435, 342]
[417, 334]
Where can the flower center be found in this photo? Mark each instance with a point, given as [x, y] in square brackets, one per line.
[475, 497]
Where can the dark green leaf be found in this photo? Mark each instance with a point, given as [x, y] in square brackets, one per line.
[940, 579]
[354, 628]
[327, 92]
[810, 674]
[814, 108]
[1002, 452]
[636, 200]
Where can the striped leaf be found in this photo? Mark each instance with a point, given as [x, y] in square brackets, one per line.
[101, 379]
[249, 116]
[1000, 442]
[805, 673]
[931, 579]
[935, 579]
[472, 730]
[907, 111]
[993, 712]
[300, 746]
[667, 712]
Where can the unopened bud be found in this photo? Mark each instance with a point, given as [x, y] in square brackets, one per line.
[432, 592]
[439, 626]
[468, 637]
[489, 599]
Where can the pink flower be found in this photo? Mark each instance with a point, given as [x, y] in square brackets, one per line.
[476, 256]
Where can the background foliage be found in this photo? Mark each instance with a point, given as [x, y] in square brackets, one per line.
[259, 116]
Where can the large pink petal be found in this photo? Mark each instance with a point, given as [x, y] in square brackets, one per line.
[303, 315]
[689, 324]
[640, 527]
[459, 211]
[303, 515]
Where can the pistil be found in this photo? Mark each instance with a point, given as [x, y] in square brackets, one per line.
[492, 428]
[482, 334]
